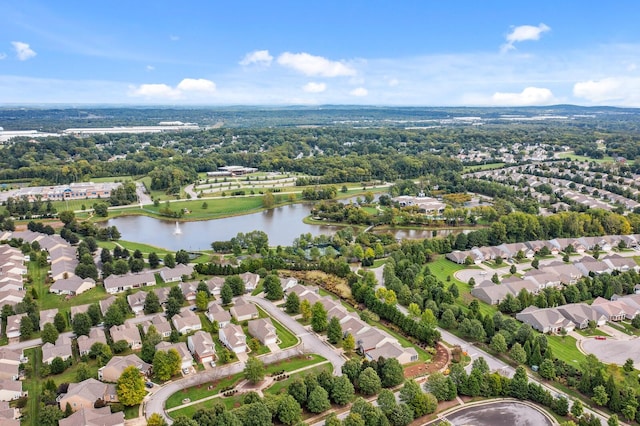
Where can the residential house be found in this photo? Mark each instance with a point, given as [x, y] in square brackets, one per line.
[127, 332]
[288, 283]
[186, 321]
[215, 312]
[10, 361]
[12, 330]
[80, 309]
[490, 293]
[233, 338]
[390, 350]
[590, 265]
[162, 293]
[189, 290]
[11, 297]
[96, 335]
[581, 314]
[119, 283]
[61, 349]
[9, 414]
[105, 304]
[86, 393]
[171, 275]
[90, 416]
[161, 324]
[457, 256]
[202, 347]
[615, 310]
[250, 281]
[47, 316]
[263, 330]
[10, 390]
[136, 302]
[620, 263]
[548, 320]
[63, 269]
[215, 285]
[72, 286]
[116, 365]
[183, 351]
[243, 310]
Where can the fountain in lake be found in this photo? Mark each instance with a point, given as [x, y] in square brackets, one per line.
[177, 231]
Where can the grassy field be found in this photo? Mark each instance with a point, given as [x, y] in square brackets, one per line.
[198, 392]
[589, 333]
[488, 166]
[33, 386]
[278, 387]
[133, 246]
[575, 157]
[565, 348]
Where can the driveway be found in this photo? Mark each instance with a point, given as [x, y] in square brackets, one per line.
[613, 351]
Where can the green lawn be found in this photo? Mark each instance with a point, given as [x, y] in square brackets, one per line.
[588, 332]
[131, 412]
[575, 157]
[422, 354]
[198, 392]
[293, 364]
[624, 328]
[132, 246]
[565, 348]
[278, 387]
[488, 166]
[33, 386]
[258, 289]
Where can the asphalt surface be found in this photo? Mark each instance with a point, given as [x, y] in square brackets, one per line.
[499, 414]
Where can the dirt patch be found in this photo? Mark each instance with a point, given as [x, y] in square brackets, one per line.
[439, 362]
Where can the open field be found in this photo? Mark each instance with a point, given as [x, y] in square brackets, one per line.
[575, 157]
[488, 166]
[565, 348]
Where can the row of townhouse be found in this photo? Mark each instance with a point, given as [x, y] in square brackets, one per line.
[119, 283]
[12, 270]
[530, 248]
[10, 384]
[372, 342]
[554, 274]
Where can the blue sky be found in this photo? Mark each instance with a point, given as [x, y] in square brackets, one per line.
[430, 53]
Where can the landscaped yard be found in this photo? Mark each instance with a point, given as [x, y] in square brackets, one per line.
[198, 392]
[277, 387]
[565, 348]
[587, 332]
[287, 339]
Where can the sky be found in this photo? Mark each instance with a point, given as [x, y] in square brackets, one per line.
[349, 52]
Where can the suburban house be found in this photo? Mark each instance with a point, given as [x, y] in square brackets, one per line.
[202, 347]
[80, 309]
[10, 390]
[547, 320]
[250, 281]
[217, 313]
[189, 290]
[161, 324]
[116, 365]
[119, 283]
[614, 310]
[186, 321]
[63, 269]
[9, 415]
[243, 310]
[136, 301]
[96, 335]
[72, 286]
[86, 393]
[47, 316]
[233, 338]
[11, 297]
[427, 205]
[13, 326]
[215, 285]
[390, 350]
[619, 263]
[183, 351]
[127, 332]
[288, 283]
[162, 293]
[61, 349]
[94, 417]
[263, 330]
[581, 314]
[172, 275]
[10, 364]
[105, 304]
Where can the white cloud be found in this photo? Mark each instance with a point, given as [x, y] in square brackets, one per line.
[196, 85]
[313, 87]
[359, 91]
[23, 51]
[529, 96]
[150, 68]
[188, 88]
[393, 82]
[524, 33]
[3, 56]
[315, 65]
[260, 57]
[606, 90]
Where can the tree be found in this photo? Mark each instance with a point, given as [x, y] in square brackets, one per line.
[237, 285]
[305, 310]
[83, 372]
[130, 387]
[518, 388]
[272, 287]
[169, 261]
[518, 354]
[353, 419]
[298, 390]
[349, 343]
[81, 324]
[66, 216]
[577, 408]
[441, 387]
[613, 420]
[334, 331]
[289, 411]
[184, 421]
[60, 322]
[628, 365]
[318, 318]
[499, 344]
[26, 327]
[333, 420]
[49, 415]
[254, 370]
[166, 364]
[57, 365]
[512, 269]
[318, 400]
[154, 260]
[292, 304]
[182, 257]
[226, 294]
[600, 396]
[342, 391]
[391, 373]
[120, 346]
[49, 333]
[548, 369]
[113, 316]
[172, 307]
[152, 303]
[401, 415]
[368, 382]
[156, 420]
[352, 368]
[202, 301]
[448, 319]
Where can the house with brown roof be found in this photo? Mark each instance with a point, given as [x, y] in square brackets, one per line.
[72, 286]
[119, 283]
[10, 390]
[94, 417]
[242, 310]
[116, 365]
[47, 316]
[127, 332]
[161, 324]
[79, 309]
[172, 275]
[136, 302]
[105, 304]
[581, 314]
[615, 310]
[12, 330]
[183, 351]
[186, 321]
[390, 350]
[11, 297]
[215, 312]
[547, 320]
[86, 393]
[189, 290]
[61, 349]
[96, 335]
[233, 338]
[250, 281]
[620, 263]
[263, 330]
[215, 285]
[202, 347]
[8, 414]
[10, 364]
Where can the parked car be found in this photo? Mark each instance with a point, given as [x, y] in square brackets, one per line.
[149, 384]
[186, 371]
[213, 363]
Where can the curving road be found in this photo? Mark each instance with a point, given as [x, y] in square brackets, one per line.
[310, 344]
